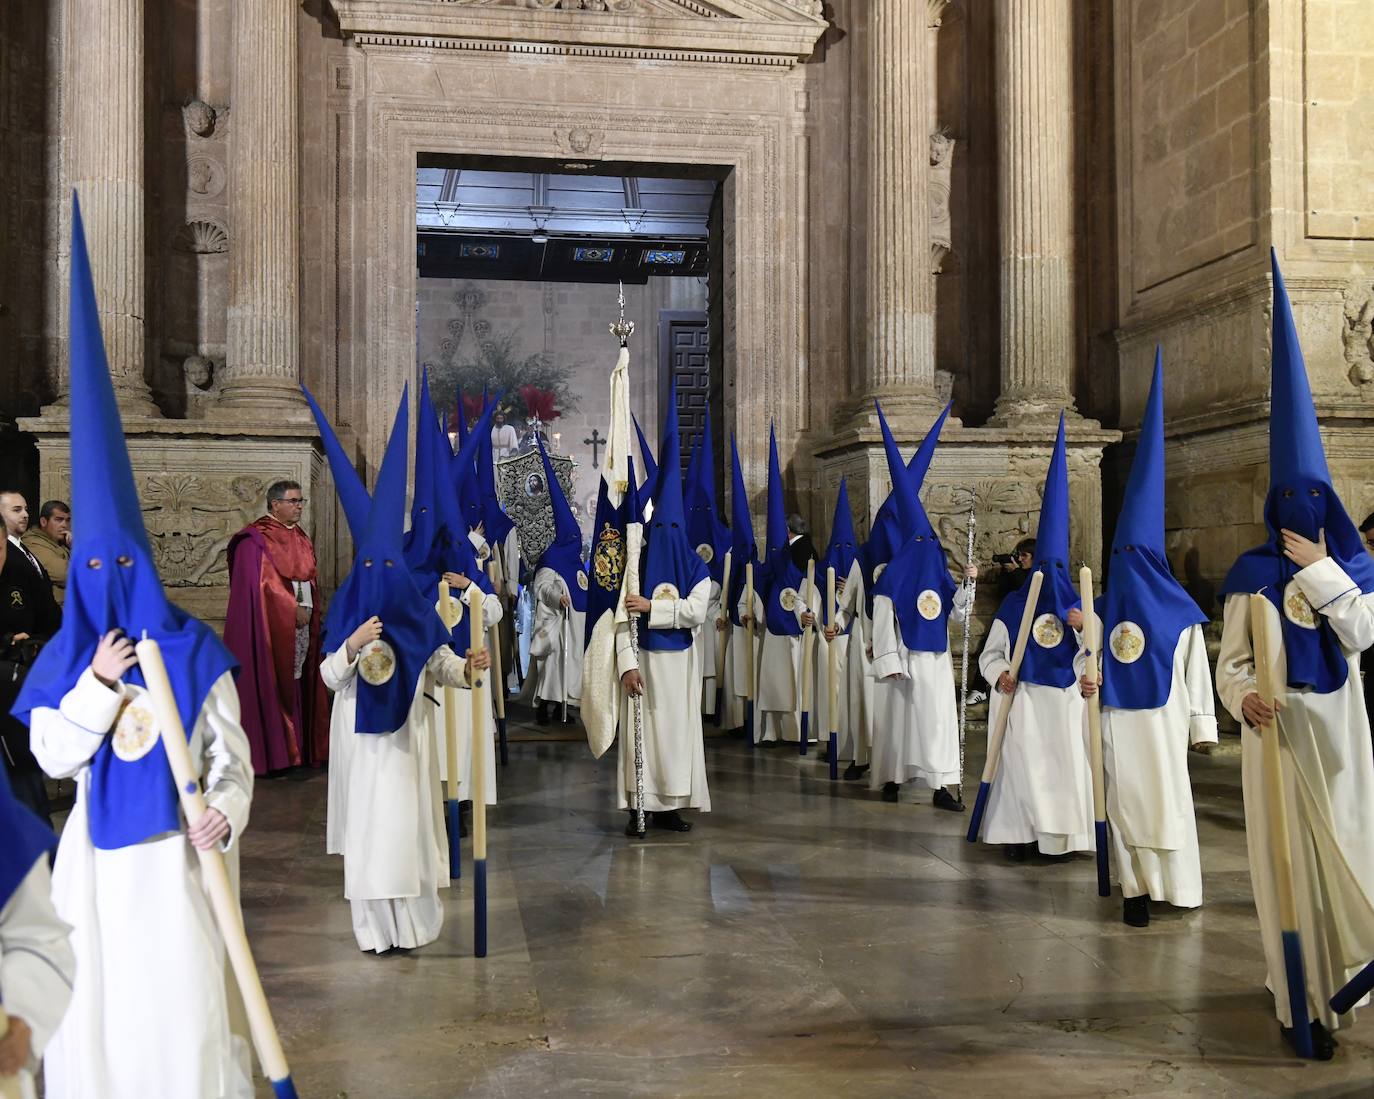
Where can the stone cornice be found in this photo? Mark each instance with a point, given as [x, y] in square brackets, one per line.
[743, 32]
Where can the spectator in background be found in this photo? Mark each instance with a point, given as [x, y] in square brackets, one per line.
[273, 629]
[51, 543]
[14, 509]
[1367, 657]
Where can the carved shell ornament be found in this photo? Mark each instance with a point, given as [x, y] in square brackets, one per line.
[202, 237]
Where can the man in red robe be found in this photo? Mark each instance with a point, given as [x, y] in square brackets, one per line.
[273, 629]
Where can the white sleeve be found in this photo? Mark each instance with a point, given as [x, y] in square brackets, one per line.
[1236, 660]
[36, 963]
[1331, 592]
[226, 761]
[681, 614]
[1202, 717]
[996, 655]
[64, 740]
[887, 658]
[337, 669]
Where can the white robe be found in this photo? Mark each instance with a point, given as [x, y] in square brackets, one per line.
[916, 717]
[707, 637]
[778, 705]
[674, 754]
[154, 1011]
[1328, 779]
[385, 813]
[564, 630]
[1153, 830]
[36, 965]
[856, 739]
[1042, 792]
[462, 694]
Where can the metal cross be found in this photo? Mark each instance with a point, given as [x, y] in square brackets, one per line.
[596, 442]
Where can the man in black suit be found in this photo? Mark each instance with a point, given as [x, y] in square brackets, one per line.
[1367, 657]
[799, 543]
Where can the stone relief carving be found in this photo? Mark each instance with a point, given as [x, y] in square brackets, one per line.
[580, 141]
[199, 117]
[941, 170]
[191, 517]
[1358, 334]
[205, 175]
[202, 237]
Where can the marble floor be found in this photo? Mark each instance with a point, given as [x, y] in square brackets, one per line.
[805, 940]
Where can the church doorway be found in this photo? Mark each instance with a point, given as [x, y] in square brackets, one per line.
[519, 264]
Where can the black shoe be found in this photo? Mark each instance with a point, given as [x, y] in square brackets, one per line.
[1016, 852]
[541, 713]
[1135, 911]
[632, 826]
[671, 821]
[943, 799]
[890, 790]
[854, 771]
[1323, 1043]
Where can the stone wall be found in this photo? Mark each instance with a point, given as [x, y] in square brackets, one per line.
[568, 322]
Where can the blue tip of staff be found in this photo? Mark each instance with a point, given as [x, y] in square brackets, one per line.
[980, 805]
[1297, 993]
[1355, 990]
[1104, 877]
[805, 733]
[479, 907]
[501, 736]
[284, 1089]
[834, 757]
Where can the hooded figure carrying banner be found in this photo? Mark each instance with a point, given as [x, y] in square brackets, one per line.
[785, 608]
[560, 608]
[840, 556]
[916, 716]
[1042, 793]
[154, 1010]
[384, 641]
[673, 597]
[1318, 583]
[1156, 693]
[711, 538]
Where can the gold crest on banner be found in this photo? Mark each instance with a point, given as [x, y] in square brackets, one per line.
[608, 559]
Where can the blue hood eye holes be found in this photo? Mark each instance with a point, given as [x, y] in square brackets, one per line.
[124, 561]
[94, 563]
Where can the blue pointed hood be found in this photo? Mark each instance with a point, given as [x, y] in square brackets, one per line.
[671, 567]
[916, 578]
[564, 553]
[1144, 610]
[646, 456]
[497, 525]
[704, 527]
[606, 570]
[423, 520]
[781, 580]
[744, 549]
[1302, 499]
[113, 583]
[352, 493]
[380, 584]
[461, 416]
[843, 547]
[1050, 651]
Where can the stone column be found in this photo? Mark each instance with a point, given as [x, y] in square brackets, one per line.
[899, 368]
[1034, 79]
[106, 120]
[261, 359]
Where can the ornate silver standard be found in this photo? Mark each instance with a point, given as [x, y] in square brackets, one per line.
[970, 589]
[623, 330]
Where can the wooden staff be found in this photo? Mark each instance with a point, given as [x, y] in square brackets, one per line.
[832, 670]
[750, 666]
[477, 641]
[1276, 814]
[721, 636]
[213, 872]
[808, 691]
[998, 728]
[1092, 639]
[452, 810]
[498, 680]
[9, 1085]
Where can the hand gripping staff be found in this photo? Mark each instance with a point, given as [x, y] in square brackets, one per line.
[1092, 640]
[452, 803]
[750, 665]
[9, 1085]
[721, 636]
[477, 642]
[808, 684]
[213, 872]
[498, 676]
[1276, 812]
[997, 730]
[832, 673]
